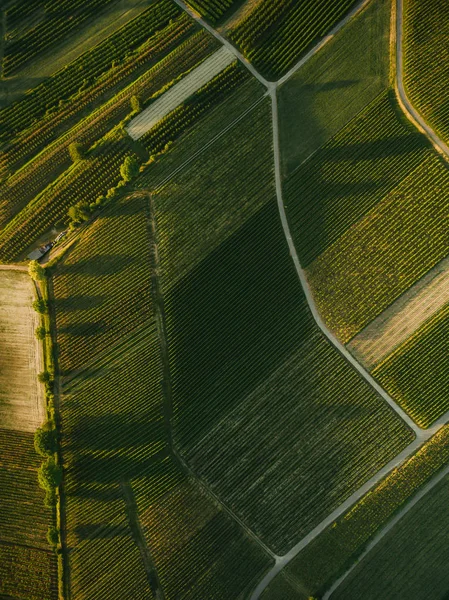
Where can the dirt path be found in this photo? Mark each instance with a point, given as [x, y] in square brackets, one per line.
[139, 538]
[410, 504]
[176, 95]
[402, 318]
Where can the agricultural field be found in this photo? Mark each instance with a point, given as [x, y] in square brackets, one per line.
[418, 543]
[116, 447]
[28, 567]
[214, 10]
[321, 562]
[215, 375]
[426, 70]
[334, 85]
[416, 374]
[277, 33]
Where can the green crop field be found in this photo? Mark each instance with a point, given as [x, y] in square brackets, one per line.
[426, 69]
[214, 10]
[276, 33]
[418, 544]
[416, 373]
[238, 244]
[334, 85]
[318, 565]
[120, 479]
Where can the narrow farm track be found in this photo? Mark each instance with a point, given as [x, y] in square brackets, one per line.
[418, 496]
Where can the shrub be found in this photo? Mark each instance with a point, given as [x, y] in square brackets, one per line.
[40, 332]
[49, 474]
[45, 439]
[129, 169]
[76, 151]
[44, 377]
[135, 104]
[53, 536]
[50, 498]
[40, 306]
[36, 271]
[80, 212]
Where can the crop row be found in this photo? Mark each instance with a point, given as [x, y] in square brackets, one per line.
[47, 32]
[85, 71]
[328, 555]
[21, 188]
[116, 284]
[28, 573]
[24, 517]
[350, 175]
[86, 180]
[426, 71]
[254, 386]
[385, 253]
[276, 34]
[212, 10]
[416, 374]
[176, 122]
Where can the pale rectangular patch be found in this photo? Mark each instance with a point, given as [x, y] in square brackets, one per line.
[402, 318]
[21, 394]
[173, 97]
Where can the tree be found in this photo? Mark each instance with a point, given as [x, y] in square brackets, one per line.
[80, 212]
[129, 169]
[44, 377]
[49, 474]
[36, 271]
[76, 151]
[40, 332]
[45, 439]
[40, 306]
[135, 104]
[53, 536]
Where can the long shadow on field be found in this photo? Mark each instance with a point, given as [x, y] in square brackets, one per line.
[97, 266]
[77, 302]
[100, 531]
[84, 329]
[234, 320]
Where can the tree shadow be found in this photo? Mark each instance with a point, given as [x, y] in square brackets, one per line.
[83, 329]
[102, 531]
[100, 265]
[76, 303]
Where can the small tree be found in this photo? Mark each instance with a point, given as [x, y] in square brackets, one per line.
[80, 212]
[40, 332]
[44, 377]
[129, 169]
[53, 536]
[40, 306]
[135, 104]
[45, 439]
[76, 151]
[49, 475]
[36, 271]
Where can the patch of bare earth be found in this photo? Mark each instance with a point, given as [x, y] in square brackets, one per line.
[21, 395]
[400, 320]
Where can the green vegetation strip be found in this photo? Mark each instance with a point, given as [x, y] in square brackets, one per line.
[330, 554]
[214, 10]
[416, 374]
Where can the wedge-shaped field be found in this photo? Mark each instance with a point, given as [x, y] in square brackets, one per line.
[426, 68]
[418, 543]
[21, 395]
[276, 33]
[335, 84]
[28, 567]
[260, 399]
[214, 10]
[136, 524]
[416, 374]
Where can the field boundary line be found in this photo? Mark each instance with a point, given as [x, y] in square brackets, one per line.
[387, 528]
